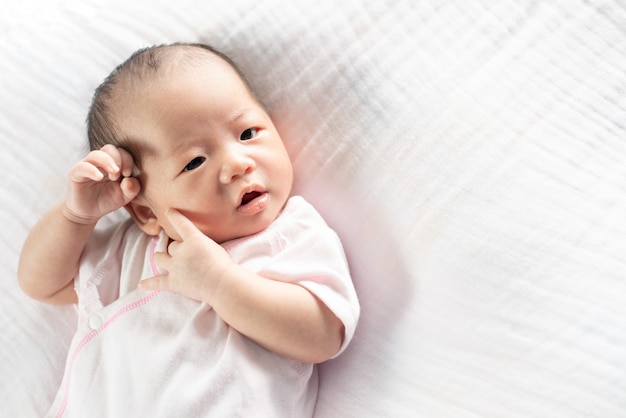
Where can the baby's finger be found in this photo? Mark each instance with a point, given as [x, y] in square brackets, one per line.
[127, 163]
[130, 188]
[104, 162]
[185, 228]
[123, 160]
[113, 152]
[84, 171]
[162, 260]
[161, 282]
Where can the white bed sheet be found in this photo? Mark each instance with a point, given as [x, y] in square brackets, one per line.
[470, 153]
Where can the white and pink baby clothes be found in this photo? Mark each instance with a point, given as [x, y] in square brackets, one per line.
[160, 354]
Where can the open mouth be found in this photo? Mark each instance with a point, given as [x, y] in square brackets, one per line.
[249, 197]
[253, 202]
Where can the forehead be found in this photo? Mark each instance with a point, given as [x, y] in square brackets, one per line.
[173, 70]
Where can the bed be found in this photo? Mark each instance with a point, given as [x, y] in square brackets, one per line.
[471, 154]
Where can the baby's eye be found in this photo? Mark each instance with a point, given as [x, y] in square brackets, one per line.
[195, 163]
[248, 134]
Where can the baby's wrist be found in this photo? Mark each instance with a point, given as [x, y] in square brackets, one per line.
[216, 289]
[76, 218]
[211, 288]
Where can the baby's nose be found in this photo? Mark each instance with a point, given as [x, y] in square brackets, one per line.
[236, 166]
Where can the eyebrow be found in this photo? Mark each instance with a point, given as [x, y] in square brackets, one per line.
[242, 114]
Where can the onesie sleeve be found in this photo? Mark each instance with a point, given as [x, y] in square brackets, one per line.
[308, 252]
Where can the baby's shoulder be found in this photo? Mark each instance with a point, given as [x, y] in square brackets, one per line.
[114, 239]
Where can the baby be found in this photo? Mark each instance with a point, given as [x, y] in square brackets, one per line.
[222, 292]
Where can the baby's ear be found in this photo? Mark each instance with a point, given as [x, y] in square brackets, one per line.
[143, 216]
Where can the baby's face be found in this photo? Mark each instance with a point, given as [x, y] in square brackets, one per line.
[207, 149]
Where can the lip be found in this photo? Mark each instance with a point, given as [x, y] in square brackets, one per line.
[252, 201]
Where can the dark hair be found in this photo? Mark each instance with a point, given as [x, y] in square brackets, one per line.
[101, 129]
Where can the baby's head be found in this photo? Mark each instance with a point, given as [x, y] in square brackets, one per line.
[202, 142]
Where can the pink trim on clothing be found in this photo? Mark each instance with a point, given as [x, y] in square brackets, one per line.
[92, 335]
[95, 332]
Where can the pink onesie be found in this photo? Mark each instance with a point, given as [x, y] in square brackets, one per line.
[160, 354]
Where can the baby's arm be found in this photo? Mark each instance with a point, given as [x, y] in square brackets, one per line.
[50, 257]
[282, 317]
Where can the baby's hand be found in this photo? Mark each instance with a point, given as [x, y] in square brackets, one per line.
[194, 265]
[99, 184]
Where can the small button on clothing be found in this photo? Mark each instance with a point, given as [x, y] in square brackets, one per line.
[95, 321]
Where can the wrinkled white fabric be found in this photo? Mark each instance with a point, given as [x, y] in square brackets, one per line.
[469, 153]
